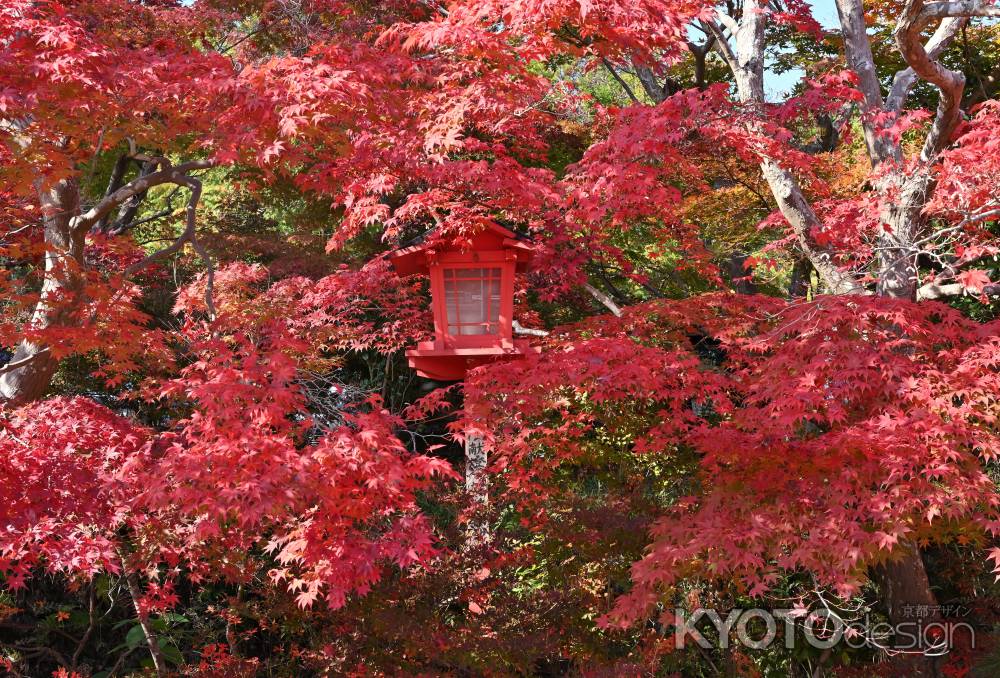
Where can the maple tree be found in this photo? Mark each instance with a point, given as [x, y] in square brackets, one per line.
[203, 394]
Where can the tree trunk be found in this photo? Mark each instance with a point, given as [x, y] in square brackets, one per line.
[909, 600]
[904, 220]
[650, 85]
[699, 56]
[798, 286]
[904, 585]
[26, 377]
[740, 277]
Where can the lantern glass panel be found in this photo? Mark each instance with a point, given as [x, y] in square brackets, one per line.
[472, 298]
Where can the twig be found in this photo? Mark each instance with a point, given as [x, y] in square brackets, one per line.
[118, 229]
[90, 628]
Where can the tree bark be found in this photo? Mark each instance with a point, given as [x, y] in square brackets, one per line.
[857, 49]
[798, 286]
[909, 600]
[700, 55]
[30, 370]
[650, 85]
[604, 299]
[796, 209]
[739, 275]
[904, 220]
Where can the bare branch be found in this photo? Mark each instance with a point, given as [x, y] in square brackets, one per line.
[620, 80]
[120, 226]
[604, 299]
[964, 8]
[152, 642]
[800, 215]
[168, 175]
[728, 22]
[705, 47]
[971, 219]
[932, 291]
[436, 7]
[528, 331]
[136, 154]
[209, 274]
[189, 235]
[91, 623]
[722, 45]
[23, 361]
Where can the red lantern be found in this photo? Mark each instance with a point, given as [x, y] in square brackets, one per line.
[472, 296]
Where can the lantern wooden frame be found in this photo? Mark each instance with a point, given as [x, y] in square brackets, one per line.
[449, 355]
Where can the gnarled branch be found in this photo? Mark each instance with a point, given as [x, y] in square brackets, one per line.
[188, 235]
[949, 83]
[621, 81]
[167, 175]
[905, 79]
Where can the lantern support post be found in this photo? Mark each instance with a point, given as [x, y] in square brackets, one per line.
[477, 487]
[476, 480]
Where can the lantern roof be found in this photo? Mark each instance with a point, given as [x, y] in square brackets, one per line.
[414, 258]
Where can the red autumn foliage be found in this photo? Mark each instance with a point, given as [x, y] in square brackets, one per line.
[826, 433]
[837, 428]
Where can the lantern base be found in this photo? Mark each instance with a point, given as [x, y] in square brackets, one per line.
[451, 364]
